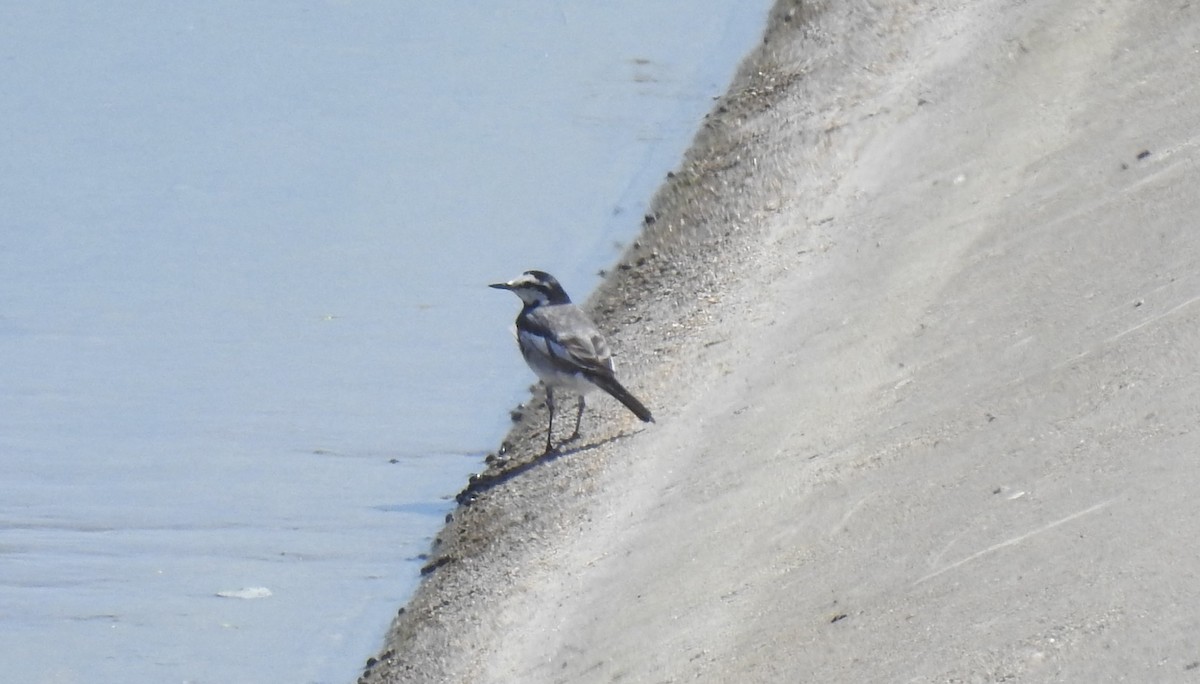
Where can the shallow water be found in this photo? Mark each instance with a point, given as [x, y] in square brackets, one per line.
[246, 339]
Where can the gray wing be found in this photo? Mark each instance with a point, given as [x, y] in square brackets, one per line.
[571, 338]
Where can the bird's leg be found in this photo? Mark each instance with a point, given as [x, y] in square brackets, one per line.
[578, 420]
[550, 427]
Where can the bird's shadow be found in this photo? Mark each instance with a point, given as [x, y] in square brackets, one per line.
[483, 482]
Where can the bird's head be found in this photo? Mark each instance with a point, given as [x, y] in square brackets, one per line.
[535, 288]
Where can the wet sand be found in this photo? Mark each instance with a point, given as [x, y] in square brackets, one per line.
[918, 317]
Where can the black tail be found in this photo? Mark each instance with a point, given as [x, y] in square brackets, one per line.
[609, 384]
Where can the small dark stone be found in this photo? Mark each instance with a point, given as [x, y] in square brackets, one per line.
[449, 518]
[516, 415]
[649, 219]
[393, 460]
[434, 565]
[400, 612]
[838, 618]
[1143, 154]
[670, 174]
[371, 662]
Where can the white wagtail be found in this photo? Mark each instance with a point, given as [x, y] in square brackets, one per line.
[562, 345]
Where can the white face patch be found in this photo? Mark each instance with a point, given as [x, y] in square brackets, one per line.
[530, 296]
[529, 289]
[523, 279]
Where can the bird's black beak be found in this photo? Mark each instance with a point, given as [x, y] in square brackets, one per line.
[501, 286]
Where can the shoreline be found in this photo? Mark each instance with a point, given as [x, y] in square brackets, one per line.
[917, 294]
[695, 237]
[492, 533]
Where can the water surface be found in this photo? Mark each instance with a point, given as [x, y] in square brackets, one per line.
[246, 339]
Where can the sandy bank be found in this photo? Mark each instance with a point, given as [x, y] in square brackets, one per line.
[919, 317]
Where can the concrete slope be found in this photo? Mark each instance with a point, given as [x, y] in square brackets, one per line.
[938, 421]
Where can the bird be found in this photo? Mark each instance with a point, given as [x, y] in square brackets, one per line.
[564, 347]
